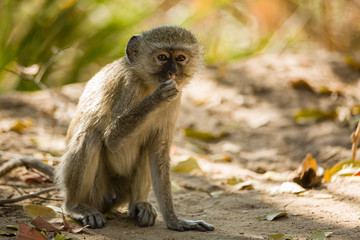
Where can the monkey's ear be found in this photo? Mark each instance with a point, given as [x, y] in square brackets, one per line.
[132, 47]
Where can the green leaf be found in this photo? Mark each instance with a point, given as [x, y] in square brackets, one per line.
[60, 236]
[175, 187]
[344, 168]
[109, 215]
[186, 166]
[280, 236]
[13, 227]
[204, 136]
[319, 235]
[234, 181]
[7, 234]
[307, 116]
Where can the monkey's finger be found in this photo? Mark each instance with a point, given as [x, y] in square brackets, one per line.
[167, 83]
[205, 225]
[195, 226]
[145, 220]
[89, 220]
[152, 217]
[99, 220]
[152, 220]
[140, 215]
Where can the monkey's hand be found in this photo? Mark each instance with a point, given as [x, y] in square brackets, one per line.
[87, 216]
[144, 213]
[184, 225]
[166, 91]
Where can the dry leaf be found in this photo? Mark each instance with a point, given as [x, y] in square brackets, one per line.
[344, 168]
[39, 179]
[306, 175]
[70, 228]
[19, 126]
[301, 84]
[36, 210]
[291, 187]
[42, 223]
[327, 175]
[27, 233]
[357, 173]
[273, 216]
[234, 181]
[219, 158]
[244, 186]
[323, 196]
[217, 194]
[319, 235]
[355, 110]
[352, 62]
[231, 147]
[280, 236]
[274, 176]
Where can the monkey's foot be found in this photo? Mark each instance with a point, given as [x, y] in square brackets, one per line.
[183, 225]
[144, 213]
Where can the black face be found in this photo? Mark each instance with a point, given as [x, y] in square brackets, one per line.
[171, 64]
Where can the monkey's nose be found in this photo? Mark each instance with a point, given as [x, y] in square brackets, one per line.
[172, 75]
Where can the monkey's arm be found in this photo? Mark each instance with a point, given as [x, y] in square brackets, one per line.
[160, 170]
[125, 124]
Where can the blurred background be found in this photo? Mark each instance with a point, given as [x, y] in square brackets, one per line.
[56, 42]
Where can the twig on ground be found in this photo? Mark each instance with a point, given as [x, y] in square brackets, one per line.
[26, 196]
[355, 136]
[15, 155]
[15, 187]
[29, 162]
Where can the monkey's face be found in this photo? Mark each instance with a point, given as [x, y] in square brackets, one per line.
[163, 53]
[171, 64]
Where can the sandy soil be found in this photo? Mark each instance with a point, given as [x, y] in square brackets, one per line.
[254, 102]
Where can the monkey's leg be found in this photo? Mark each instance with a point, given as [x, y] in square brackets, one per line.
[139, 208]
[85, 185]
[160, 170]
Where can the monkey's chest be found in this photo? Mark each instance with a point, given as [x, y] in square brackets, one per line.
[135, 146]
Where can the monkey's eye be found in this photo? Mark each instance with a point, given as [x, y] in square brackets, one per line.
[180, 58]
[162, 57]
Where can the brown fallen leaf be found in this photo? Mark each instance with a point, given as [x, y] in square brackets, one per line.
[301, 84]
[27, 233]
[36, 210]
[39, 179]
[306, 175]
[70, 228]
[42, 223]
[20, 125]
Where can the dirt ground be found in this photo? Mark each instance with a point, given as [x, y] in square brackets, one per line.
[254, 101]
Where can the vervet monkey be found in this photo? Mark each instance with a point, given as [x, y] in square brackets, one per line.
[120, 136]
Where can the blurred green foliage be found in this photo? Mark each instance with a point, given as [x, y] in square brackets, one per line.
[57, 42]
